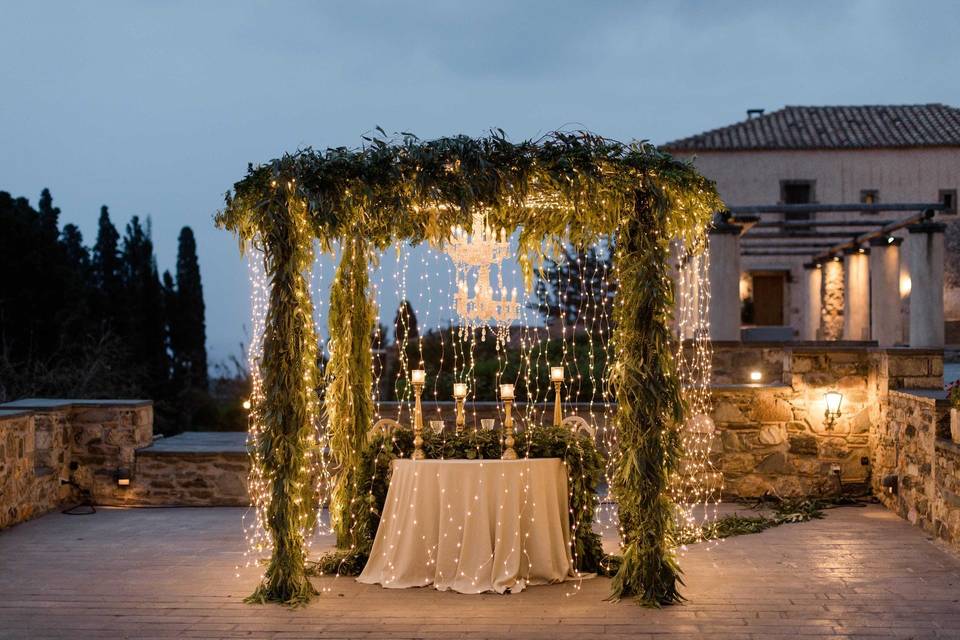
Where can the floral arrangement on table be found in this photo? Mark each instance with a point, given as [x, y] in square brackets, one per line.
[583, 462]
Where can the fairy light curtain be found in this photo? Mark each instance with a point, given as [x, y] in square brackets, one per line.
[566, 189]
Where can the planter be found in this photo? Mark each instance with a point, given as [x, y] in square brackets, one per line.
[955, 425]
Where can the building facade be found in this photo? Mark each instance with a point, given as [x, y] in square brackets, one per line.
[873, 155]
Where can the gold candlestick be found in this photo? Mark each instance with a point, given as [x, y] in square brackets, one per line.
[506, 394]
[460, 394]
[418, 377]
[556, 375]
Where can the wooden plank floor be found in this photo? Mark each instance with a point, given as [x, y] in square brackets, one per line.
[169, 573]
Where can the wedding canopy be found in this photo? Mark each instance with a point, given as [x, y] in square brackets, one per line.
[574, 188]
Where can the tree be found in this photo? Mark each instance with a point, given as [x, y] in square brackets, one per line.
[187, 323]
[49, 216]
[106, 264]
[581, 283]
[143, 297]
[75, 253]
[405, 323]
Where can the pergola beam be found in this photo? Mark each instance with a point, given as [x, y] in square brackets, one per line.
[834, 208]
[885, 230]
[803, 224]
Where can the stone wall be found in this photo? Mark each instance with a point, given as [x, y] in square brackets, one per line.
[915, 368]
[946, 503]
[916, 470]
[831, 306]
[45, 441]
[774, 438]
[190, 479]
[27, 486]
[902, 449]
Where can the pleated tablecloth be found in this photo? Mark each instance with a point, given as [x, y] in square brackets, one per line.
[473, 526]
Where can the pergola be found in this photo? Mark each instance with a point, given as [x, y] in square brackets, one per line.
[863, 254]
[563, 188]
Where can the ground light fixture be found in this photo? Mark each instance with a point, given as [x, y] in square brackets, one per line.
[833, 400]
[122, 476]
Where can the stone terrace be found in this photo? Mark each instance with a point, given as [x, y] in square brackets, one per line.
[169, 573]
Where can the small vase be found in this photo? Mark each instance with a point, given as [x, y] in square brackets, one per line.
[955, 425]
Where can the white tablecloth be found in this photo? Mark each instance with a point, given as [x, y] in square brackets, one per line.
[473, 526]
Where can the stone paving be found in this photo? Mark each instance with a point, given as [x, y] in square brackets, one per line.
[169, 573]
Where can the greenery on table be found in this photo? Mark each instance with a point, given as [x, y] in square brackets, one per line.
[565, 188]
[583, 463]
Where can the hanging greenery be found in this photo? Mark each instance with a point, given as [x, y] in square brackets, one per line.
[348, 399]
[288, 410]
[564, 188]
[649, 407]
[581, 459]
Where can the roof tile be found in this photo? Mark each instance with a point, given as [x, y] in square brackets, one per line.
[860, 127]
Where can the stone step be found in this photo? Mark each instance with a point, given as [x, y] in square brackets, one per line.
[201, 468]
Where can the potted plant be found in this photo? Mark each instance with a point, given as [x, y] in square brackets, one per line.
[953, 394]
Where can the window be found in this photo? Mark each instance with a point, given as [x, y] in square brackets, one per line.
[869, 196]
[949, 198]
[797, 192]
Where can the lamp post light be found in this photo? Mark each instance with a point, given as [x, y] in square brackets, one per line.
[418, 377]
[556, 376]
[833, 400]
[460, 394]
[506, 394]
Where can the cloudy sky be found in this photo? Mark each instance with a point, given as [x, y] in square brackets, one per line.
[155, 108]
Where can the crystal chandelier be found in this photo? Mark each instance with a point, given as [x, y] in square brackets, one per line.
[479, 251]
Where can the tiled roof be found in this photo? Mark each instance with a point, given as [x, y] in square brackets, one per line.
[866, 127]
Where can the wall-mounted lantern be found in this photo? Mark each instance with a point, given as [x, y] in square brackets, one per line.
[833, 400]
[756, 376]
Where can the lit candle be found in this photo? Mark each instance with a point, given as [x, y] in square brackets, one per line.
[556, 374]
[418, 376]
[506, 392]
[459, 390]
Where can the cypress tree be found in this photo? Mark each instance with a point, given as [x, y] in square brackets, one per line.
[49, 216]
[75, 253]
[145, 331]
[106, 265]
[187, 321]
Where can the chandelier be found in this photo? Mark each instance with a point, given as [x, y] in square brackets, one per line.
[479, 251]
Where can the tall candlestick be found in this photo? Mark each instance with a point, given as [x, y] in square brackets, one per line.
[556, 375]
[506, 394]
[460, 394]
[418, 377]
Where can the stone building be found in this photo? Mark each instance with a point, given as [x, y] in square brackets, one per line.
[903, 157]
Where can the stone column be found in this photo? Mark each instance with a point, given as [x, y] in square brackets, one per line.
[885, 325]
[925, 254]
[831, 307]
[725, 282]
[856, 286]
[813, 275]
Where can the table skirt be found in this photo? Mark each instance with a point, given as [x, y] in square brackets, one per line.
[473, 526]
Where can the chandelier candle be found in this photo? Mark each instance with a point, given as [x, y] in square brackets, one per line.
[418, 377]
[556, 376]
[460, 394]
[506, 394]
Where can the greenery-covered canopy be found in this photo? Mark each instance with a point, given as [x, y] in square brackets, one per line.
[565, 187]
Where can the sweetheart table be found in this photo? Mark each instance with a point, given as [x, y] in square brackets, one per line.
[473, 526]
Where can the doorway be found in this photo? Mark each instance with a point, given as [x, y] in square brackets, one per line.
[768, 296]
